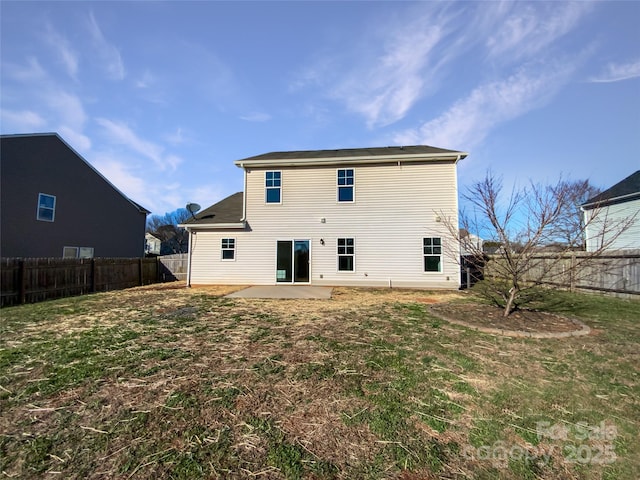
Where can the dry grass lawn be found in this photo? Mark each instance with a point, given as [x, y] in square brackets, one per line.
[169, 382]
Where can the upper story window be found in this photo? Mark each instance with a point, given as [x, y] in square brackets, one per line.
[228, 249]
[345, 185]
[273, 186]
[346, 255]
[46, 207]
[432, 252]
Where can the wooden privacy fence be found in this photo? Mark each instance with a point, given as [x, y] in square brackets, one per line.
[615, 273]
[174, 267]
[30, 280]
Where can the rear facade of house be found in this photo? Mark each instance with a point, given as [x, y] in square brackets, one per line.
[54, 204]
[355, 217]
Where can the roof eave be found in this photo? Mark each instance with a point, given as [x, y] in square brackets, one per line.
[608, 201]
[352, 160]
[209, 226]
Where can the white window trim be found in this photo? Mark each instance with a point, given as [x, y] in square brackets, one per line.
[272, 188]
[53, 217]
[441, 255]
[350, 272]
[353, 187]
[234, 250]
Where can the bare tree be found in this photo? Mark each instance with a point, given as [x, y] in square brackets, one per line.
[165, 227]
[569, 227]
[523, 224]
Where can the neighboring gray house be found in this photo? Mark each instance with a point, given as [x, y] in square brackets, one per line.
[55, 204]
[369, 216]
[606, 214]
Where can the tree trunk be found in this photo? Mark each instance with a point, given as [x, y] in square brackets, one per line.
[508, 308]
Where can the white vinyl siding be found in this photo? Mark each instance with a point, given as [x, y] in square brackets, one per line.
[621, 225]
[395, 209]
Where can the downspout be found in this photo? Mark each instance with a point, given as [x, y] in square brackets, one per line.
[244, 195]
[459, 259]
[189, 259]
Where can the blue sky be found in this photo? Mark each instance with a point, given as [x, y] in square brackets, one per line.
[162, 97]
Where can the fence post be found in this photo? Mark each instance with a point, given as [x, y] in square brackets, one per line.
[22, 281]
[140, 272]
[94, 275]
[572, 273]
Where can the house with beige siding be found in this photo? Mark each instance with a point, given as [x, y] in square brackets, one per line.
[351, 217]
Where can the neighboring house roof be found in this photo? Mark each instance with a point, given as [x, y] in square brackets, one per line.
[352, 156]
[225, 213]
[624, 191]
[59, 138]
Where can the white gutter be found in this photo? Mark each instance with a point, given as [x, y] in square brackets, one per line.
[213, 226]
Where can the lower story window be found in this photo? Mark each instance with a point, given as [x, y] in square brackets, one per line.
[346, 255]
[228, 249]
[77, 252]
[432, 253]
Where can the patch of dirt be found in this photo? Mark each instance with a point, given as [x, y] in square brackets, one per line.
[488, 316]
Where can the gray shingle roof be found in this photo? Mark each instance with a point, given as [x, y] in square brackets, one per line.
[352, 154]
[625, 190]
[226, 211]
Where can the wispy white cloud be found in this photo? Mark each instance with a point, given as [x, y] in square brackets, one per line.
[388, 83]
[176, 138]
[122, 134]
[21, 121]
[61, 47]
[76, 138]
[616, 72]
[68, 107]
[468, 121]
[420, 52]
[146, 80]
[107, 53]
[123, 176]
[30, 72]
[256, 117]
[152, 190]
[527, 29]
[51, 107]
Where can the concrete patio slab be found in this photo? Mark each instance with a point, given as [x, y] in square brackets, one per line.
[284, 291]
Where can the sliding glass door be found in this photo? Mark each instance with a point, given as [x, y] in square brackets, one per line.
[292, 261]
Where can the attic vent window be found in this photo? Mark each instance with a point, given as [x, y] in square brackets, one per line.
[46, 207]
